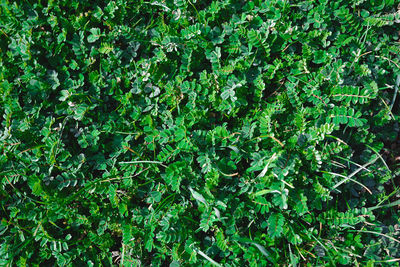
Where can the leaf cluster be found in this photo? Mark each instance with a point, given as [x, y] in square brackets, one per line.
[184, 132]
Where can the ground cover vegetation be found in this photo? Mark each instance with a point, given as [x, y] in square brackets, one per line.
[190, 133]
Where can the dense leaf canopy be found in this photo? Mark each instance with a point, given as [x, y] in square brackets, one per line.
[183, 132]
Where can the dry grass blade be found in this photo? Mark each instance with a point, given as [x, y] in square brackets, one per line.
[208, 258]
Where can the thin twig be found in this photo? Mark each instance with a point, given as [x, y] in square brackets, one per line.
[377, 233]
[391, 61]
[143, 161]
[208, 258]
[11, 183]
[121, 178]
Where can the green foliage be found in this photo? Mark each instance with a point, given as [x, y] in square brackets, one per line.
[275, 225]
[191, 133]
[344, 115]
